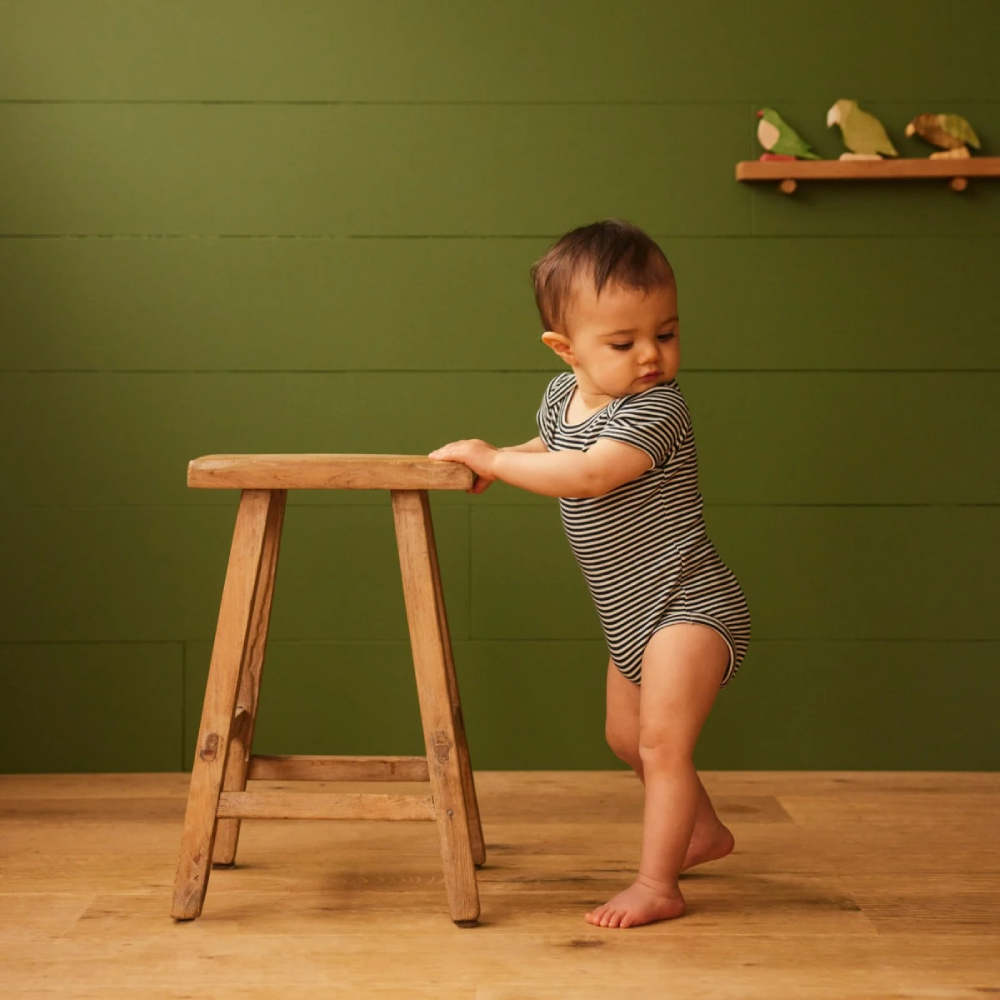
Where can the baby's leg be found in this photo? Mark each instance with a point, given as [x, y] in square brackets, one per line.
[682, 668]
[711, 839]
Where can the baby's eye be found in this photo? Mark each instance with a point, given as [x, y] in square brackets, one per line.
[625, 347]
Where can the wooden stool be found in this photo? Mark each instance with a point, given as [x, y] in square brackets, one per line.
[218, 798]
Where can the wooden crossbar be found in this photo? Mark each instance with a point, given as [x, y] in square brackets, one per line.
[344, 805]
[327, 472]
[301, 767]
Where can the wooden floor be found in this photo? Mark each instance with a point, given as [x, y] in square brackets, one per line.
[842, 885]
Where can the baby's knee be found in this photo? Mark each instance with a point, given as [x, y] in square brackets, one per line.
[664, 750]
[623, 746]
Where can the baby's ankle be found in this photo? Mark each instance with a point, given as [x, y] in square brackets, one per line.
[665, 887]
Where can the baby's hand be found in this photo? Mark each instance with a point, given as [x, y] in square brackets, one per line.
[474, 453]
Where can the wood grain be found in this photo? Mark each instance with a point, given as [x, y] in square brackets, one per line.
[461, 740]
[346, 805]
[428, 639]
[817, 902]
[903, 168]
[327, 472]
[310, 767]
[237, 764]
[232, 635]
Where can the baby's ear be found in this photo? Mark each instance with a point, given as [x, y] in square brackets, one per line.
[560, 344]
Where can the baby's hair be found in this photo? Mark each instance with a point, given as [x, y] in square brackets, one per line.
[611, 251]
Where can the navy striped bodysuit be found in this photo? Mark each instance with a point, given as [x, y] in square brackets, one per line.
[642, 547]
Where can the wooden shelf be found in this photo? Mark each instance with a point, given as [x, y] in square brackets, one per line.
[788, 172]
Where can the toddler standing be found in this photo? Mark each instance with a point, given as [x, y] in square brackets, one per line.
[616, 446]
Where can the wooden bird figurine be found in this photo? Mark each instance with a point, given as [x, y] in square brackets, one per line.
[950, 132]
[863, 134]
[780, 140]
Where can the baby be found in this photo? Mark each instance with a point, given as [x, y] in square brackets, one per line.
[616, 447]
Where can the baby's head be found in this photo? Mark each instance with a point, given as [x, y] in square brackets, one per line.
[607, 298]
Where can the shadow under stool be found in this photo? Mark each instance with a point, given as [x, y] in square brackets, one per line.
[218, 798]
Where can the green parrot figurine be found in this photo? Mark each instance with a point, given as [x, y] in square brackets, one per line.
[780, 140]
[949, 132]
[863, 134]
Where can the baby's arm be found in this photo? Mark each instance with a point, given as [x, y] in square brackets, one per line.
[561, 473]
[535, 444]
[606, 466]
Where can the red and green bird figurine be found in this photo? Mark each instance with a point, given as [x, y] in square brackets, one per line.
[780, 140]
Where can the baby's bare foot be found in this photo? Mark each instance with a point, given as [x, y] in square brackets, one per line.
[708, 844]
[640, 903]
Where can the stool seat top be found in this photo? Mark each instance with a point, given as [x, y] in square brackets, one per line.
[327, 472]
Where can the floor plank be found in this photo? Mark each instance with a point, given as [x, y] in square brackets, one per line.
[860, 884]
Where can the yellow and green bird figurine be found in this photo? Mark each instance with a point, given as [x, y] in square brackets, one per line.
[780, 140]
[863, 134]
[950, 132]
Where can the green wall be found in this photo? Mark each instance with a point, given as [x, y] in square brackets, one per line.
[307, 226]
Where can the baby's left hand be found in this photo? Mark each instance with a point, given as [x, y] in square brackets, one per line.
[476, 454]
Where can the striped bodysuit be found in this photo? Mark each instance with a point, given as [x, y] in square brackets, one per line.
[643, 548]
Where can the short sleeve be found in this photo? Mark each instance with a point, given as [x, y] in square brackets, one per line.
[656, 421]
[543, 418]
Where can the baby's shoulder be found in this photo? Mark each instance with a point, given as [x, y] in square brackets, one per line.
[662, 399]
[558, 386]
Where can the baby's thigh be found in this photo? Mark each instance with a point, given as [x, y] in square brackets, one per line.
[621, 728]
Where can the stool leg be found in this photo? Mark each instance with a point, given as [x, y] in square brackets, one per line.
[462, 742]
[227, 834]
[415, 541]
[231, 635]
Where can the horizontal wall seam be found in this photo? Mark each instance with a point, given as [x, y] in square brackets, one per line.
[908, 237]
[501, 102]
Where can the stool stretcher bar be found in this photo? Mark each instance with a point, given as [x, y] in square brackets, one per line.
[316, 805]
[301, 767]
